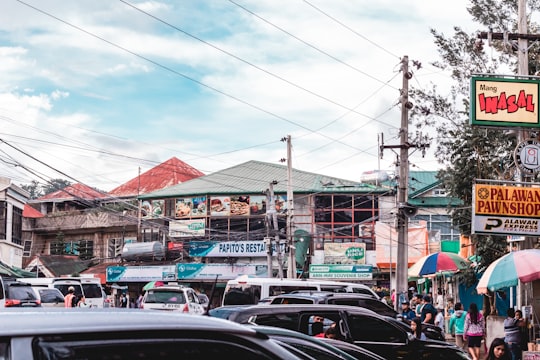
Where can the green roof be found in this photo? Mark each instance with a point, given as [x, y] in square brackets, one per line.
[254, 177]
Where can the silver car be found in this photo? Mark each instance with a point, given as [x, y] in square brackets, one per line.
[97, 334]
[50, 297]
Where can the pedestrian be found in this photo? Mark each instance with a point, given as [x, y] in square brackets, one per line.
[418, 304]
[81, 301]
[393, 297]
[416, 329]
[457, 323]
[123, 301]
[138, 303]
[512, 333]
[449, 307]
[474, 331]
[68, 299]
[439, 304]
[406, 312]
[498, 350]
[427, 311]
[439, 320]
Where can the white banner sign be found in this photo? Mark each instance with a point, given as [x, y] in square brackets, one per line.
[187, 228]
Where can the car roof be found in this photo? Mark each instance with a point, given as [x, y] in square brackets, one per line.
[27, 322]
[260, 309]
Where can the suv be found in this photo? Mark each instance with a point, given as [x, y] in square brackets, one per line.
[172, 298]
[50, 297]
[14, 293]
[382, 335]
[365, 301]
[96, 334]
[323, 297]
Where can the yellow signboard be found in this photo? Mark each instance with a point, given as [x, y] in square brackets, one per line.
[502, 209]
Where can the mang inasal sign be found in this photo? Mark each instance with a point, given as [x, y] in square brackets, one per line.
[504, 102]
[510, 210]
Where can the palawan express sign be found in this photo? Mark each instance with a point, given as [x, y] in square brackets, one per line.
[508, 210]
[504, 102]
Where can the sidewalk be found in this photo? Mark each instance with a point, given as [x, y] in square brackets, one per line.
[452, 340]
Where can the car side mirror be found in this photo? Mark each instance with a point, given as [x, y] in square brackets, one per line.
[410, 336]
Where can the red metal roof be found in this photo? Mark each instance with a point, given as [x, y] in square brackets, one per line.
[75, 191]
[168, 173]
[30, 212]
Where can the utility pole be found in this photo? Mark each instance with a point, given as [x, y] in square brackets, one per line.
[271, 211]
[291, 269]
[404, 209]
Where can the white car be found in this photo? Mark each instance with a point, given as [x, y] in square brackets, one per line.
[50, 297]
[172, 298]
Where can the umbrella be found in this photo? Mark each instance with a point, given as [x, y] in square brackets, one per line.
[438, 263]
[152, 284]
[506, 270]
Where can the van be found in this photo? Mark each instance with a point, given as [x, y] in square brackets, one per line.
[245, 290]
[87, 286]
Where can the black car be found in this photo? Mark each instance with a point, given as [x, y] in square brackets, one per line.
[17, 294]
[365, 301]
[97, 334]
[382, 335]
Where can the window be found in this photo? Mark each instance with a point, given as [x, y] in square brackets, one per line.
[368, 329]
[86, 249]
[114, 248]
[441, 223]
[3, 210]
[339, 218]
[16, 230]
[27, 248]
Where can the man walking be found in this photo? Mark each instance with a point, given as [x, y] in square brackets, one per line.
[428, 311]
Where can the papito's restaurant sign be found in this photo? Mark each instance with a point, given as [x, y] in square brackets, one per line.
[504, 102]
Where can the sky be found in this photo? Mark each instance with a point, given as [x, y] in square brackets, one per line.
[96, 91]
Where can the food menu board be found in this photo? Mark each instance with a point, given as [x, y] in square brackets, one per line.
[199, 206]
[152, 208]
[257, 205]
[183, 207]
[220, 205]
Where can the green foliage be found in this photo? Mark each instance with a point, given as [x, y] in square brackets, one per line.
[468, 153]
[36, 190]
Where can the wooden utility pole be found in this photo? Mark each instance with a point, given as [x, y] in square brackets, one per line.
[291, 268]
[404, 210]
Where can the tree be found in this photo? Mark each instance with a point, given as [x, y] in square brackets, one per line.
[55, 185]
[468, 153]
[34, 189]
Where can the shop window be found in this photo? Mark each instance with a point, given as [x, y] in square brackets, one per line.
[16, 232]
[3, 210]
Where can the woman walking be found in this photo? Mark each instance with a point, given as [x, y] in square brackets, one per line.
[474, 331]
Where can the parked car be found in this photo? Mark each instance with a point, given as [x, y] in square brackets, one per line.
[317, 347]
[323, 297]
[172, 298]
[14, 293]
[382, 335]
[361, 300]
[96, 334]
[50, 297]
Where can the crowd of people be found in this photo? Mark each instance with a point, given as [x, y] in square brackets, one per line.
[467, 327]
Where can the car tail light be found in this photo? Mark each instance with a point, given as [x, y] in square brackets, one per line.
[186, 308]
[12, 302]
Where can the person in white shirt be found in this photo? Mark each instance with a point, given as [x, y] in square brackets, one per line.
[439, 319]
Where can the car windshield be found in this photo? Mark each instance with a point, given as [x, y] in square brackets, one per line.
[50, 296]
[22, 293]
[165, 297]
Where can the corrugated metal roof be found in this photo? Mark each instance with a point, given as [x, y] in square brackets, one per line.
[254, 177]
[30, 212]
[168, 173]
[72, 192]
[422, 181]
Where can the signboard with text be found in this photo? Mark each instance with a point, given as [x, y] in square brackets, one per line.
[340, 271]
[504, 102]
[506, 210]
[196, 271]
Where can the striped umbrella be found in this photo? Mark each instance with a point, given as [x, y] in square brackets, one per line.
[437, 263]
[522, 265]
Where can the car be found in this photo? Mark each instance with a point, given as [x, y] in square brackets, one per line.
[50, 297]
[172, 298]
[106, 333]
[361, 300]
[313, 346]
[385, 336]
[323, 297]
[15, 293]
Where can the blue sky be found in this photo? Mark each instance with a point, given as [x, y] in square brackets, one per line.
[98, 89]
